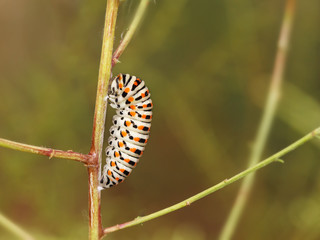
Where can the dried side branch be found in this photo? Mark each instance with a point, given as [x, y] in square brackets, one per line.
[71, 155]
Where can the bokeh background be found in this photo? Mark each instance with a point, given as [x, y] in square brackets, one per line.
[208, 66]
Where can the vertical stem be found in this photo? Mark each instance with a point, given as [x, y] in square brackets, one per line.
[95, 226]
[266, 122]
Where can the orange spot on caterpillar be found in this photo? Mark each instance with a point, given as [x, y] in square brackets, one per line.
[113, 164]
[136, 139]
[144, 116]
[117, 179]
[109, 172]
[121, 144]
[116, 154]
[132, 114]
[124, 133]
[120, 85]
[144, 105]
[143, 95]
[127, 90]
[128, 123]
[136, 83]
[121, 170]
[133, 149]
[127, 160]
[130, 99]
[133, 107]
[141, 127]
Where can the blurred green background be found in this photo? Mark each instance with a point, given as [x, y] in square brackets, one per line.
[208, 66]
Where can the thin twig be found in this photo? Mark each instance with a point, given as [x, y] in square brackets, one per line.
[131, 30]
[95, 227]
[14, 228]
[84, 158]
[266, 122]
[274, 158]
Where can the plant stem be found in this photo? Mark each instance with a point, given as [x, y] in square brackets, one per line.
[131, 30]
[14, 228]
[274, 158]
[95, 227]
[84, 158]
[266, 122]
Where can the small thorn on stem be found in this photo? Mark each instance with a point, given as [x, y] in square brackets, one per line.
[52, 154]
[116, 60]
[279, 160]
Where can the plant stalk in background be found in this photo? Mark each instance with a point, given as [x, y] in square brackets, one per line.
[266, 121]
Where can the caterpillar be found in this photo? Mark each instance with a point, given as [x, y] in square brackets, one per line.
[131, 126]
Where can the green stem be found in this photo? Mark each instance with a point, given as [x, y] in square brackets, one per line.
[95, 226]
[266, 122]
[14, 228]
[226, 182]
[131, 30]
[84, 158]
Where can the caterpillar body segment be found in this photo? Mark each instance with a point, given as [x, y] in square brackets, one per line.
[126, 147]
[129, 136]
[143, 116]
[132, 124]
